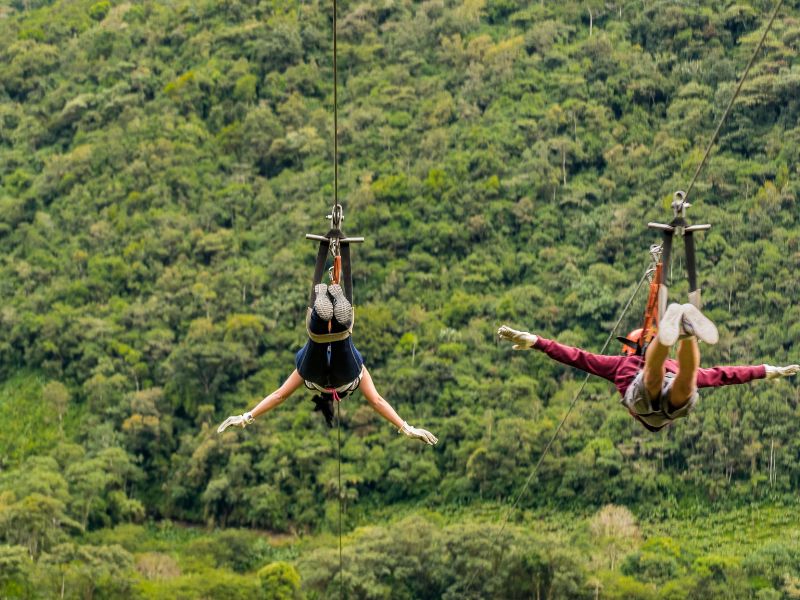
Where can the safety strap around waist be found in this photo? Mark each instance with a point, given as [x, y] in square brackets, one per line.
[647, 425]
[327, 338]
[338, 392]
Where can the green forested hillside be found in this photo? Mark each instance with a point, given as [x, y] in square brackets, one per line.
[160, 163]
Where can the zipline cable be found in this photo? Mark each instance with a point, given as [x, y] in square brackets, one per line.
[335, 116]
[689, 188]
[341, 499]
[733, 98]
[339, 490]
[527, 483]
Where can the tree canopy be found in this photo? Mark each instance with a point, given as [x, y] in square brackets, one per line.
[159, 166]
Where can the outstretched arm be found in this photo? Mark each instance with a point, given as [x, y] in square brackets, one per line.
[274, 399]
[597, 364]
[719, 376]
[384, 409]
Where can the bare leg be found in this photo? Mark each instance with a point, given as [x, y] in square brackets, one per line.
[657, 352]
[654, 359]
[686, 378]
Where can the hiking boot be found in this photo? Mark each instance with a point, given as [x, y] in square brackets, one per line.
[669, 328]
[322, 304]
[342, 309]
[695, 323]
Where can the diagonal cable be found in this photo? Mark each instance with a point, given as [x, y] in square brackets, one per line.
[532, 474]
[733, 98]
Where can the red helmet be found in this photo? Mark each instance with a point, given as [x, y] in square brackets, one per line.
[632, 342]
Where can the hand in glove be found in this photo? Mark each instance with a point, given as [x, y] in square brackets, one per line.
[522, 339]
[236, 421]
[418, 434]
[776, 372]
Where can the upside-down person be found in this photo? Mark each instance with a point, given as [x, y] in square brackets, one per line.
[655, 389]
[334, 370]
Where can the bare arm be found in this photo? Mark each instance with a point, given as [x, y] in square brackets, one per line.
[376, 401]
[282, 393]
[274, 399]
[384, 409]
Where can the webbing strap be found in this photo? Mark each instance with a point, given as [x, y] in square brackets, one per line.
[652, 315]
[666, 254]
[322, 259]
[327, 338]
[346, 283]
[319, 269]
[689, 247]
[347, 274]
[691, 271]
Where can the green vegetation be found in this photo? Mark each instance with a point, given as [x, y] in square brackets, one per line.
[159, 165]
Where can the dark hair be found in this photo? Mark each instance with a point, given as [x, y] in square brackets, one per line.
[324, 403]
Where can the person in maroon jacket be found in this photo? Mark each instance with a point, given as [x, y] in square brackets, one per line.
[655, 389]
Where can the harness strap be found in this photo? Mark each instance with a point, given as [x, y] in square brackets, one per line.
[652, 315]
[343, 390]
[347, 273]
[346, 283]
[666, 252]
[327, 338]
[319, 267]
[691, 271]
[681, 227]
[322, 257]
[646, 425]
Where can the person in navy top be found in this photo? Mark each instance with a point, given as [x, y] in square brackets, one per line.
[335, 369]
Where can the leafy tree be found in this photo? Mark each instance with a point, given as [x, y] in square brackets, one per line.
[614, 528]
[16, 571]
[57, 395]
[86, 571]
[280, 581]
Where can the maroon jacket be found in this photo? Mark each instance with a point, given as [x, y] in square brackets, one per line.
[621, 370]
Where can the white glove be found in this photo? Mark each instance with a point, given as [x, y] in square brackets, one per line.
[418, 434]
[522, 339]
[236, 421]
[775, 372]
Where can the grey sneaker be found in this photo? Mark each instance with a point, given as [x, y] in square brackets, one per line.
[342, 309]
[322, 304]
[695, 323]
[669, 328]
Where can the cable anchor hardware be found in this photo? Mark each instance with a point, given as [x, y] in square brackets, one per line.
[337, 245]
[680, 227]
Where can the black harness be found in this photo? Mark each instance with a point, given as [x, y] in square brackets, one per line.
[337, 244]
[341, 246]
[680, 227]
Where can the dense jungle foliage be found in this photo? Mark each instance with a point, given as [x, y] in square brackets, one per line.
[160, 163]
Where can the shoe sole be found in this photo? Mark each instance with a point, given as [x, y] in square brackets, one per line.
[702, 327]
[342, 309]
[323, 305]
[669, 328]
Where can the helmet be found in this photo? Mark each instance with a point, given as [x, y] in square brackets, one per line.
[632, 343]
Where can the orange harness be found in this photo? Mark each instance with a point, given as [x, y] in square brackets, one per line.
[650, 325]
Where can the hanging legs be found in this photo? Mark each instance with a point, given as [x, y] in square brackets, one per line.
[688, 321]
